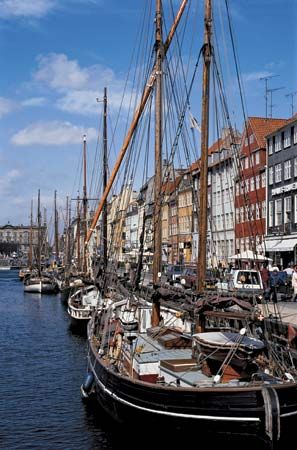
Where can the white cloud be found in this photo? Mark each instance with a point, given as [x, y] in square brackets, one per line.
[34, 101]
[25, 8]
[78, 87]
[255, 76]
[8, 180]
[52, 133]
[60, 73]
[6, 106]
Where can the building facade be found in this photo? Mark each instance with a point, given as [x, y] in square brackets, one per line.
[282, 193]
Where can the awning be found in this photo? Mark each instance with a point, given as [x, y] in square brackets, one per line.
[280, 245]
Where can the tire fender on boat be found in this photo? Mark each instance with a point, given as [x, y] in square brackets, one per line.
[87, 385]
[272, 413]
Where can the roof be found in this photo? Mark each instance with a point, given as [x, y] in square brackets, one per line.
[288, 122]
[263, 126]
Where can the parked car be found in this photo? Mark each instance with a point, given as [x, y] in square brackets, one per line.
[189, 278]
[241, 281]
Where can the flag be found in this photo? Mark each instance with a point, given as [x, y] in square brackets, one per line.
[194, 122]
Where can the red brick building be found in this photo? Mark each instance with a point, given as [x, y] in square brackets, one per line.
[250, 186]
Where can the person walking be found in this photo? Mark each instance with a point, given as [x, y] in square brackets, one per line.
[294, 283]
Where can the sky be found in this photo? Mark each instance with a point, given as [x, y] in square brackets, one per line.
[58, 55]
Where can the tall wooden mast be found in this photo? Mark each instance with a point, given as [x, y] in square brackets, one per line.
[39, 234]
[157, 262]
[145, 96]
[85, 204]
[104, 179]
[56, 229]
[78, 234]
[201, 260]
[31, 239]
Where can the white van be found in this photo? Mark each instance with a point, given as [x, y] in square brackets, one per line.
[241, 281]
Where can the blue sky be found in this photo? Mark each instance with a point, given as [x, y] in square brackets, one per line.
[58, 55]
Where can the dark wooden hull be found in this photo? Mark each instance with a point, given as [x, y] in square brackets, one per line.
[240, 411]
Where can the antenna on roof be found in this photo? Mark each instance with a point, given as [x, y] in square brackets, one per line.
[292, 95]
[270, 91]
[266, 91]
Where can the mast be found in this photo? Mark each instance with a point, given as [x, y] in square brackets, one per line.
[85, 204]
[104, 177]
[56, 229]
[201, 260]
[78, 234]
[31, 238]
[145, 96]
[39, 234]
[157, 262]
[69, 253]
[66, 246]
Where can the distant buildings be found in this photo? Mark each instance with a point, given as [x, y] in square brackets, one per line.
[252, 204]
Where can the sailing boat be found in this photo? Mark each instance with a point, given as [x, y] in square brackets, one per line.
[155, 363]
[38, 282]
[85, 297]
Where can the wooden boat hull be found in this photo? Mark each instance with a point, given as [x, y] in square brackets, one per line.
[255, 411]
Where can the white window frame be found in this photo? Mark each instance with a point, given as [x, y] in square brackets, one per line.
[257, 182]
[295, 134]
[295, 167]
[295, 208]
[287, 170]
[287, 138]
[270, 146]
[263, 209]
[278, 173]
[270, 175]
[287, 209]
[263, 179]
[278, 212]
[278, 143]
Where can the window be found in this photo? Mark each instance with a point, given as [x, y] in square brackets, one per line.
[246, 163]
[270, 146]
[295, 135]
[287, 170]
[270, 176]
[278, 142]
[263, 179]
[278, 212]
[295, 209]
[287, 209]
[241, 214]
[295, 167]
[257, 181]
[252, 184]
[257, 211]
[287, 138]
[278, 173]
[270, 219]
[257, 158]
[264, 209]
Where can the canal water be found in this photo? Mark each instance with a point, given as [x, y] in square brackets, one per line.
[42, 366]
